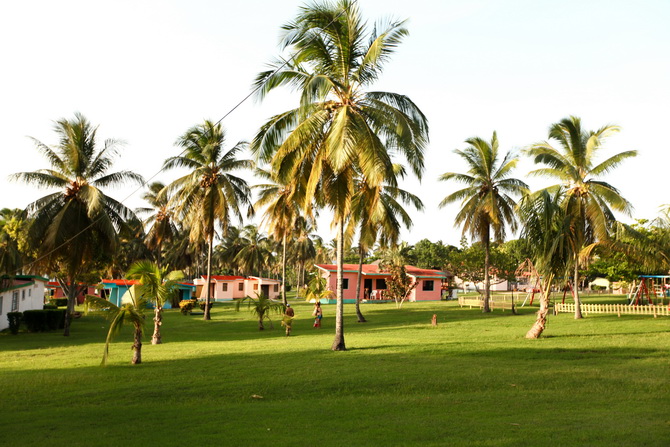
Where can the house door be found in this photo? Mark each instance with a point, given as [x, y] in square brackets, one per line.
[367, 288]
[265, 290]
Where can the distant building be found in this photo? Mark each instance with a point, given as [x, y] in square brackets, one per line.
[373, 281]
[227, 288]
[25, 292]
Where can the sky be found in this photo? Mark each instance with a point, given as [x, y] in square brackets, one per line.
[145, 71]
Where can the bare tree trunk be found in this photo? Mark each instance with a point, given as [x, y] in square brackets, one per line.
[541, 316]
[137, 345]
[575, 291]
[156, 338]
[338, 343]
[361, 318]
[283, 271]
[208, 295]
[487, 266]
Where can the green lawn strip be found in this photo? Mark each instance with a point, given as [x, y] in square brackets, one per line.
[473, 380]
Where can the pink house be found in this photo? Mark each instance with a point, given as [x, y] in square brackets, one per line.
[226, 288]
[373, 282]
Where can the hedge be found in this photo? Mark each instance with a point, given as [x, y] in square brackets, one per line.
[14, 321]
[60, 302]
[44, 320]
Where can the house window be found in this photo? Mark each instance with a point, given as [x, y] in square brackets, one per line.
[23, 295]
[1, 302]
[429, 286]
[345, 283]
[30, 290]
[276, 288]
[15, 301]
[381, 284]
[224, 287]
[255, 286]
[240, 287]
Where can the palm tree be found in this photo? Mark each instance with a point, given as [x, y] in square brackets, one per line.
[281, 213]
[12, 226]
[254, 255]
[163, 227]
[261, 306]
[303, 247]
[340, 131]
[209, 193]
[587, 201]
[486, 204]
[377, 213]
[546, 233]
[72, 227]
[225, 253]
[129, 312]
[157, 285]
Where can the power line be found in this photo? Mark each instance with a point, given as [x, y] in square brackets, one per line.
[228, 113]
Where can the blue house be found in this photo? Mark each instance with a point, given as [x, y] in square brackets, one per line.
[115, 289]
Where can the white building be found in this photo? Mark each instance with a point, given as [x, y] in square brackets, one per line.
[26, 292]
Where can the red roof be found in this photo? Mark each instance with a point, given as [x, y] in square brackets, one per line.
[222, 278]
[373, 269]
[121, 282]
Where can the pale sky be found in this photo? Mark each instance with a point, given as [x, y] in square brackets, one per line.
[145, 71]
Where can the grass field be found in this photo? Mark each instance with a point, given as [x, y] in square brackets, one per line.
[474, 380]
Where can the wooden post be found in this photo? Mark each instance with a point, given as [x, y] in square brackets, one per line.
[434, 320]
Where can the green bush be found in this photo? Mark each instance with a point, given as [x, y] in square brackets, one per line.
[49, 306]
[202, 304]
[58, 302]
[44, 320]
[14, 321]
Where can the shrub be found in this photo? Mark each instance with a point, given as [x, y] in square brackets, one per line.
[202, 305]
[14, 321]
[186, 306]
[49, 306]
[58, 302]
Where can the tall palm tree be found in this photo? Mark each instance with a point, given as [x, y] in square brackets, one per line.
[161, 222]
[281, 200]
[79, 222]
[378, 214]
[340, 129]
[486, 202]
[545, 231]
[157, 285]
[587, 201]
[209, 193]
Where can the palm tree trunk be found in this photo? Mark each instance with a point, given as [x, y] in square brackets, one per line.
[541, 316]
[575, 291]
[283, 271]
[208, 295]
[156, 338]
[338, 343]
[137, 345]
[487, 266]
[361, 252]
[71, 290]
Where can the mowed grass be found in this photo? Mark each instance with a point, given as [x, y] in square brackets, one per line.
[473, 380]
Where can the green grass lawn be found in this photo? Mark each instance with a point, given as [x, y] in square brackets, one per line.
[474, 380]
